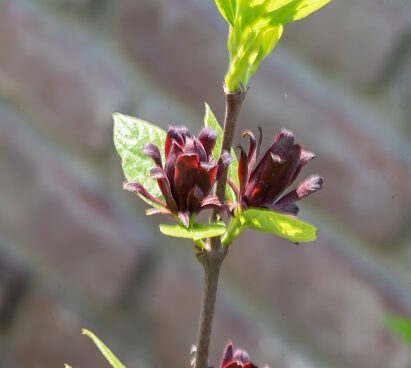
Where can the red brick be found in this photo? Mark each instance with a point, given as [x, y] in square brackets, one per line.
[356, 39]
[332, 299]
[12, 285]
[62, 217]
[59, 75]
[48, 334]
[174, 310]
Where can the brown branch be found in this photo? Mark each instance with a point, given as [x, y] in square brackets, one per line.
[234, 100]
[212, 257]
[211, 262]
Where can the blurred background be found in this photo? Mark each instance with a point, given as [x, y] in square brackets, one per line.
[76, 251]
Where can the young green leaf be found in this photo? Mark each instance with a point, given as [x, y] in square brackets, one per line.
[254, 31]
[130, 135]
[284, 226]
[211, 121]
[281, 225]
[110, 357]
[227, 9]
[195, 231]
[401, 327]
[293, 10]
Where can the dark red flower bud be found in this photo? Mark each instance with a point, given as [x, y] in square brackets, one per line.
[188, 175]
[263, 184]
[235, 358]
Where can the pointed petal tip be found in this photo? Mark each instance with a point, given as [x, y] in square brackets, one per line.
[152, 151]
[157, 173]
[309, 186]
[133, 187]
[306, 156]
[228, 354]
[315, 182]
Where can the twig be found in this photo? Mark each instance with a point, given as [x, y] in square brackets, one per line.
[213, 255]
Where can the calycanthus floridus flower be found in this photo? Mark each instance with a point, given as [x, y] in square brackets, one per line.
[188, 175]
[263, 184]
[235, 358]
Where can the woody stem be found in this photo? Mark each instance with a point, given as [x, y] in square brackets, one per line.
[212, 256]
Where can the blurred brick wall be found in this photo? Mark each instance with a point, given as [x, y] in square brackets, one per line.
[77, 252]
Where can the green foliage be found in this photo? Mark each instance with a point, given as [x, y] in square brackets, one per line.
[110, 357]
[130, 135]
[211, 121]
[401, 327]
[275, 223]
[255, 27]
[227, 9]
[195, 231]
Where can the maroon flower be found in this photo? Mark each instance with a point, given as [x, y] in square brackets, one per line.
[235, 359]
[263, 185]
[188, 175]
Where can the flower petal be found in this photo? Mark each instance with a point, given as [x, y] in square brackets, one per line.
[214, 203]
[157, 211]
[185, 176]
[284, 175]
[159, 174]
[184, 218]
[173, 135]
[206, 176]
[258, 186]
[170, 164]
[152, 151]
[185, 132]
[243, 171]
[288, 208]
[207, 137]
[283, 142]
[224, 160]
[242, 356]
[307, 187]
[194, 199]
[139, 189]
[305, 158]
[252, 150]
[200, 150]
[228, 354]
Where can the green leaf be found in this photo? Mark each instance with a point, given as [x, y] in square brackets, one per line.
[130, 135]
[256, 29]
[195, 231]
[227, 9]
[110, 357]
[293, 10]
[284, 226]
[401, 327]
[211, 121]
